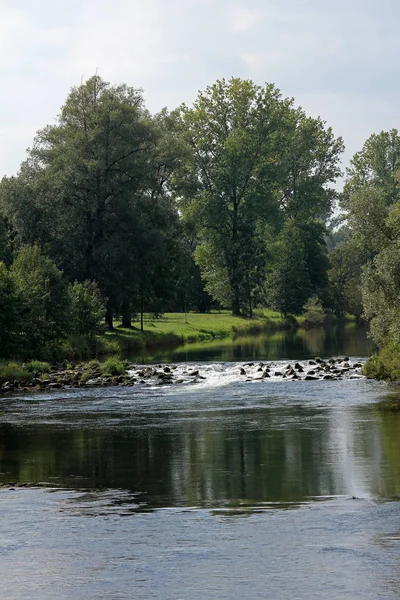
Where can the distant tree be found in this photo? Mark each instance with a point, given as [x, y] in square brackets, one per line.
[93, 192]
[375, 166]
[87, 308]
[254, 161]
[381, 284]
[346, 264]
[44, 300]
[227, 180]
[9, 313]
[289, 285]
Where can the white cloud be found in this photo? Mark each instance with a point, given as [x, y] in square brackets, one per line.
[243, 19]
[337, 59]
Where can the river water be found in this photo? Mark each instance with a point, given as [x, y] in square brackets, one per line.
[220, 489]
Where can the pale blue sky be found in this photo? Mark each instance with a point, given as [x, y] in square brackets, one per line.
[337, 59]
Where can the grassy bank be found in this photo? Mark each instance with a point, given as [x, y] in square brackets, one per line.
[168, 331]
[177, 328]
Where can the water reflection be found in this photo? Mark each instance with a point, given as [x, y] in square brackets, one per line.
[225, 458]
[297, 344]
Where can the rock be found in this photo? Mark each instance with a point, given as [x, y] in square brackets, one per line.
[261, 364]
[243, 371]
[265, 374]
[278, 374]
[298, 367]
[167, 370]
[55, 385]
[193, 373]
[357, 365]
[311, 378]
[312, 362]
[259, 369]
[178, 381]
[312, 372]
[328, 377]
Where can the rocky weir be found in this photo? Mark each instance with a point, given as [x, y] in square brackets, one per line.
[85, 376]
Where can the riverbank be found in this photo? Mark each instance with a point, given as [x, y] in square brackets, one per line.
[171, 330]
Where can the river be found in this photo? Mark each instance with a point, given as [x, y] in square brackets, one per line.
[220, 489]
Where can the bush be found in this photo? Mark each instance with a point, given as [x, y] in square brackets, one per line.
[38, 366]
[14, 372]
[93, 365]
[45, 303]
[112, 367]
[385, 365]
[314, 314]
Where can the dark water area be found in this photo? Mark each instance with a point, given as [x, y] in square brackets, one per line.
[216, 489]
[332, 340]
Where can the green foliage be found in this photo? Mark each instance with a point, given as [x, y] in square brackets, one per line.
[85, 377]
[87, 308]
[375, 166]
[9, 309]
[254, 161]
[93, 365]
[314, 313]
[289, 285]
[44, 298]
[346, 264]
[385, 365]
[37, 366]
[14, 372]
[113, 367]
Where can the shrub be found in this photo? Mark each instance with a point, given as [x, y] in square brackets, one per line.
[38, 366]
[93, 365]
[385, 365]
[314, 314]
[45, 303]
[14, 372]
[112, 366]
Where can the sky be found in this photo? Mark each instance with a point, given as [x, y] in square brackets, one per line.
[337, 59]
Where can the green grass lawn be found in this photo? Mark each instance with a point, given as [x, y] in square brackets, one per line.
[173, 328]
[196, 326]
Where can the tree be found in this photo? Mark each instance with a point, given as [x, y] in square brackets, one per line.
[309, 163]
[9, 323]
[375, 166]
[87, 308]
[254, 161]
[93, 192]
[289, 283]
[381, 284]
[346, 264]
[227, 181]
[44, 300]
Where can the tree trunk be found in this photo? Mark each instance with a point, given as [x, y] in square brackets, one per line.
[126, 315]
[236, 305]
[141, 314]
[109, 317]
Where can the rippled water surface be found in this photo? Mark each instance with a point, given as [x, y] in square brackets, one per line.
[216, 489]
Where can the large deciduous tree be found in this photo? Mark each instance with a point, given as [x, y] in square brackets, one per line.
[255, 161]
[92, 192]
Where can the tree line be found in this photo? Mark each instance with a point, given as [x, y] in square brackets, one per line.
[225, 203]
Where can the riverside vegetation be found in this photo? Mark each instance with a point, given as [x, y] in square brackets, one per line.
[117, 214]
